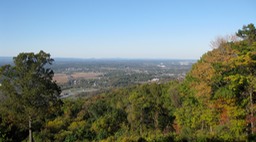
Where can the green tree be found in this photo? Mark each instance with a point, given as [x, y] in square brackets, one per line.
[247, 33]
[31, 94]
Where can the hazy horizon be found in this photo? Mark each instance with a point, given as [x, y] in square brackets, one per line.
[77, 58]
[145, 29]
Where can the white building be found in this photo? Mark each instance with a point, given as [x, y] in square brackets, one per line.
[154, 80]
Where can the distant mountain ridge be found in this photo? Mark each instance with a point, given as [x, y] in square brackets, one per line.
[5, 60]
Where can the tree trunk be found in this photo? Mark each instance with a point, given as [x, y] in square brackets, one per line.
[156, 119]
[252, 113]
[140, 125]
[30, 130]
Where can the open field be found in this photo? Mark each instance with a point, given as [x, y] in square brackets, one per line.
[64, 78]
[60, 78]
[85, 75]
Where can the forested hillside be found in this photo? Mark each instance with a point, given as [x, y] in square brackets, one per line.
[215, 102]
[218, 94]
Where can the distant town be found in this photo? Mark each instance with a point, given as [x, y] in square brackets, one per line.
[84, 77]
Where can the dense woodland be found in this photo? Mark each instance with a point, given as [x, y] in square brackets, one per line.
[215, 102]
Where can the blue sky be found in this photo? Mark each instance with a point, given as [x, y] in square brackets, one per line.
[175, 29]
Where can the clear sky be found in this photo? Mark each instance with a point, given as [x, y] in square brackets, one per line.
[175, 29]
